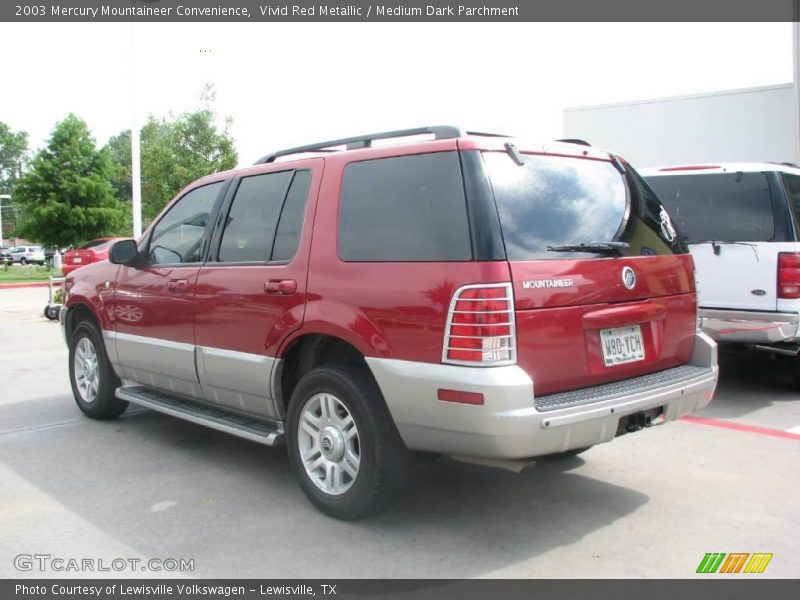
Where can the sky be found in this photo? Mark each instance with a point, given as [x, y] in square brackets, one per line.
[295, 83]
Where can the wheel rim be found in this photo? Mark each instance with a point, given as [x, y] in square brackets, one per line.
[329, 444]
[87, 373]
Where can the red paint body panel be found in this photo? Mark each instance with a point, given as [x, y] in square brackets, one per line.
[88, 287]
[560, 347]
[558, 329]
[144, 304]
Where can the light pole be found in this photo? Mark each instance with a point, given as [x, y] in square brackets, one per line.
[2, 197]
[136, 176]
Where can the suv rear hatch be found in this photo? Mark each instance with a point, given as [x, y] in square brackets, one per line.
[603, 286]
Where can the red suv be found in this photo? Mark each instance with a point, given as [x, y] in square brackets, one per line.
[466, 294]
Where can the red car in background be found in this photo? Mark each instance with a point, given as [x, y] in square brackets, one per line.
[91, 252]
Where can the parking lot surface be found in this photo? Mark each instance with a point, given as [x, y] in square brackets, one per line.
[144, 486]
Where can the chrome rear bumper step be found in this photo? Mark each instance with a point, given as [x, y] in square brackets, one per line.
[626, 387]
[256, 430]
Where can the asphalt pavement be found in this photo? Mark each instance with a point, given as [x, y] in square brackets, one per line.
[147, 486]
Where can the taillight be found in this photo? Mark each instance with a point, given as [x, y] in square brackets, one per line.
[480, 326]
[789, 275]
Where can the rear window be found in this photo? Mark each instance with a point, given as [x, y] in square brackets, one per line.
[555, 201]
[405, 208]
[718, 206]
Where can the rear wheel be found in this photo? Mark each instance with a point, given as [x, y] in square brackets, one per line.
[23, 261]
[344, 448]
[796, 370]
[93, 380]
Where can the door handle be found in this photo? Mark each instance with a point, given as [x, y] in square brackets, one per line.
[281, 287]
[178, 285]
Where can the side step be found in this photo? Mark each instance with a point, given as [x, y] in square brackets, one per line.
[256, 430]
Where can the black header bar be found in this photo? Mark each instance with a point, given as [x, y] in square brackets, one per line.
[399, 11]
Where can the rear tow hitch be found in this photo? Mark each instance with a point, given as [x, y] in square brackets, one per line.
[641, 420]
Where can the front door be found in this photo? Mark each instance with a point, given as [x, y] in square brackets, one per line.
[153, 305]
[252, 291]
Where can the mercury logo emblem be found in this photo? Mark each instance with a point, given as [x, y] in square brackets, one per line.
[327, 444]
[628, 278]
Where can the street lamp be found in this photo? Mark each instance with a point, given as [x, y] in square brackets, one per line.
[2, 197]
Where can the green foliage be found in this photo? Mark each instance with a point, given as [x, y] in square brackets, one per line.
[13, 155]
[67, 194]
[174, 152]
[13, 152]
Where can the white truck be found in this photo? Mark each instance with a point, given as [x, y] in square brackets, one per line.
[742, 224]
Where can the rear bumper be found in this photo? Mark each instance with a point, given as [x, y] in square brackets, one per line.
[749, 326]
[508, 424]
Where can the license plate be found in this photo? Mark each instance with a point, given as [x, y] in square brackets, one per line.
[77, 260]
[622, 345]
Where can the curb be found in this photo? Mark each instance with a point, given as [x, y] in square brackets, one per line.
[33, 284]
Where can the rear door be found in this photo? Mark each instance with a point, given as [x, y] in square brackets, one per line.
[252, 291]
[597, 315]
[732, 222]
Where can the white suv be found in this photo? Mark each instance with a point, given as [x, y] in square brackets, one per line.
[27, 254]
[742, 223]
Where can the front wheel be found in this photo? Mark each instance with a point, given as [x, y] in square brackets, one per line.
[343, 445]
[94, 383]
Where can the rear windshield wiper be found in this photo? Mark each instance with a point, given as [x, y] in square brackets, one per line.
[715, 245]
[594, 247]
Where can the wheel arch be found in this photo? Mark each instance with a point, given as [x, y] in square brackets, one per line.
[306, 352]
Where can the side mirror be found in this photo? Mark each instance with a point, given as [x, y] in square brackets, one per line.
[124, 252]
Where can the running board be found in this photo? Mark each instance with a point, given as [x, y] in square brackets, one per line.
[256, 430]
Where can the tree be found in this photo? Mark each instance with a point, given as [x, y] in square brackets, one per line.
[13, 153]
[67, 193]
[174, 152]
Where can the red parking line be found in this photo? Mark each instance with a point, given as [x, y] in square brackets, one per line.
[33, 284]
[779, 433]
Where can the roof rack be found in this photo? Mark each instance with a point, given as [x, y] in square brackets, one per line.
[440, 132]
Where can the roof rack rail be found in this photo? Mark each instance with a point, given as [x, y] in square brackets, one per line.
[440, 132]
[575, 141]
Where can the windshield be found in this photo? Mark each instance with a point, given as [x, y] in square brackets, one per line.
[718, 206]
[552, 202]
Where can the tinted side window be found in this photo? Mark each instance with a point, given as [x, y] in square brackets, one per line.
[253, 218]
[178, 236]
[793, 190]
[287, 236]
[718, 206]
[405, 208]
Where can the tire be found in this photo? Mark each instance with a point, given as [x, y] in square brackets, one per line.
[93, 380]
[796, 370]
[23, 261]
[355, 463]
[51, 311]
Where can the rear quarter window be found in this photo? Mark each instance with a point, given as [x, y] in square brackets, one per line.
[405, 208]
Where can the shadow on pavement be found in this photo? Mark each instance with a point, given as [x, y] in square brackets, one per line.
[749, 382]
[168, 488]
